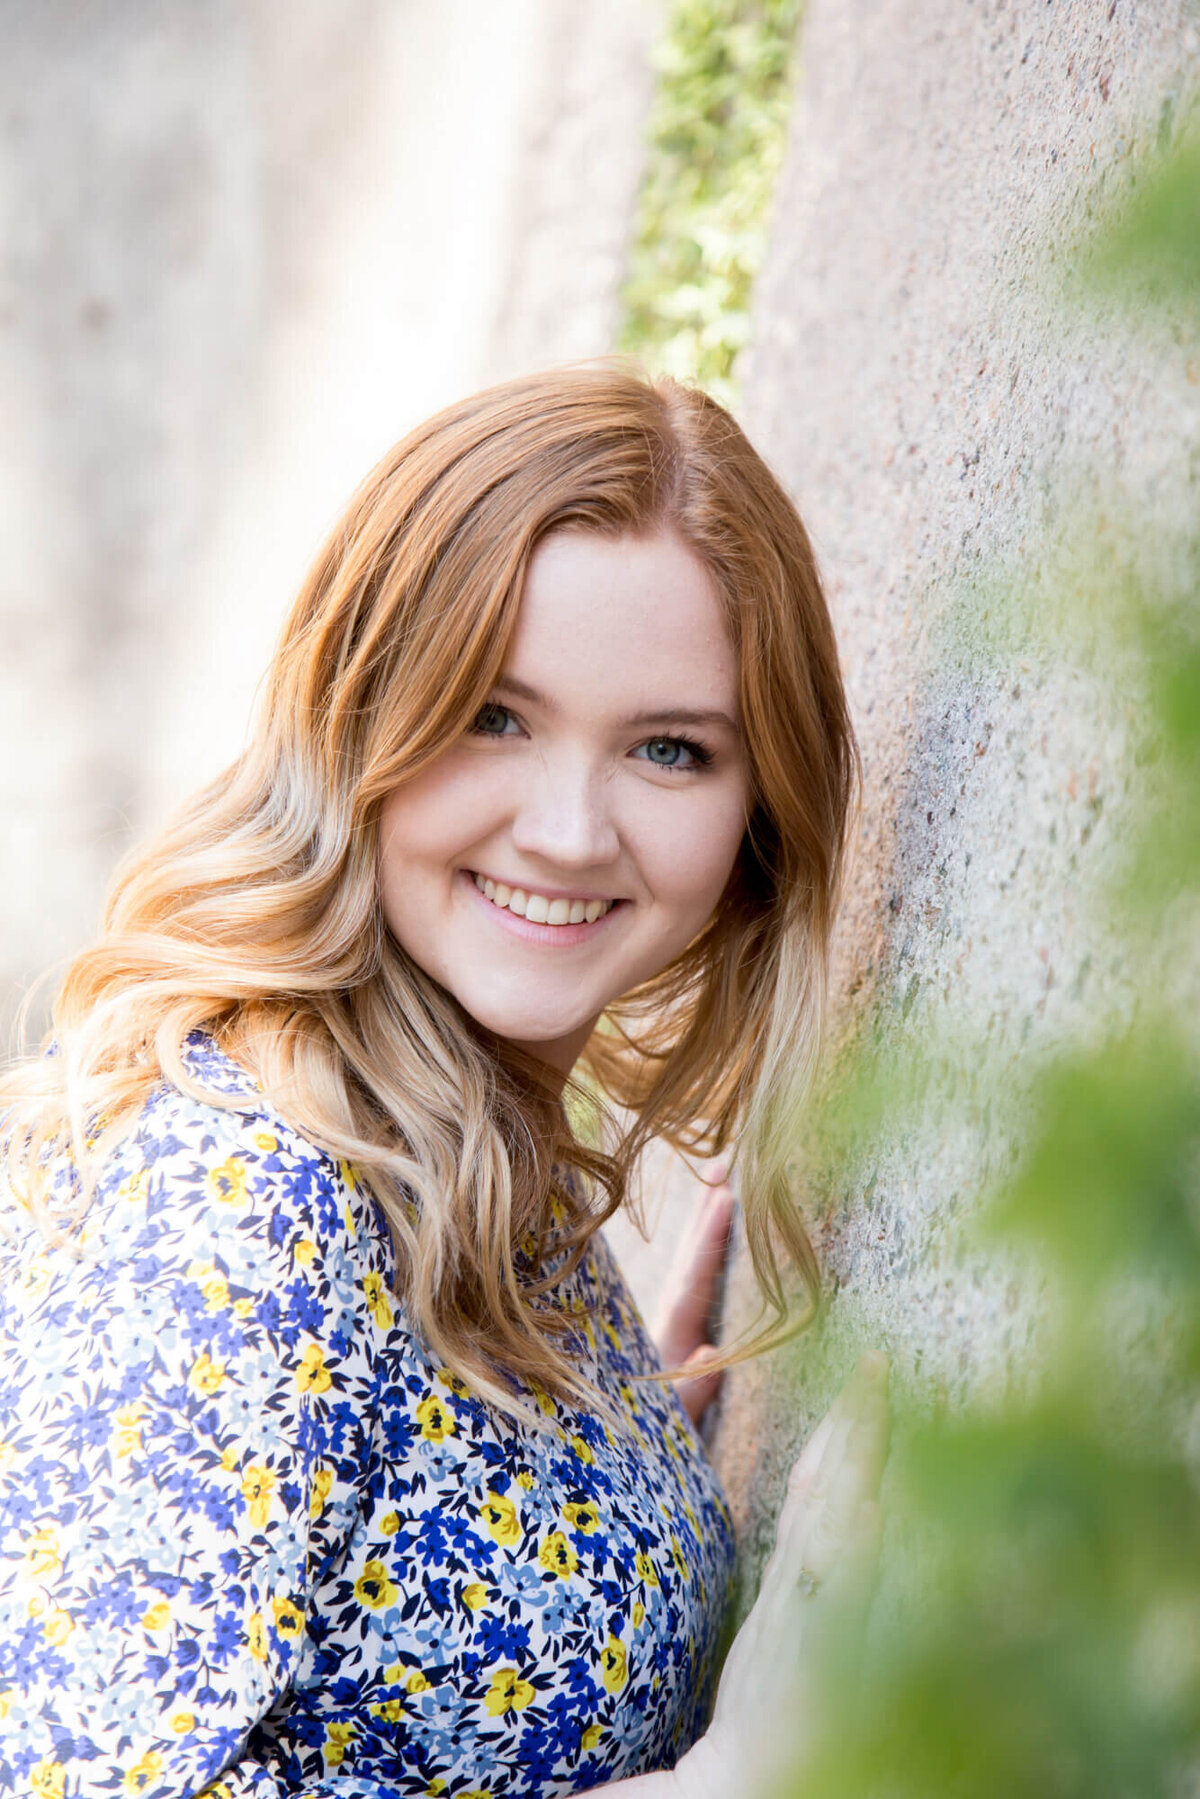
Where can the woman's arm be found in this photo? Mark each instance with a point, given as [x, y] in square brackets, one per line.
[190, 1409]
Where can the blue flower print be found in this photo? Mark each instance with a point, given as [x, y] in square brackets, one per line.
[232, 1561]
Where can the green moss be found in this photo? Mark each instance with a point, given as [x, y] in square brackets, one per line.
[716, 137]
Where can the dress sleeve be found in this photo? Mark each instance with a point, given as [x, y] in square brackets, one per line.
[185, 1414]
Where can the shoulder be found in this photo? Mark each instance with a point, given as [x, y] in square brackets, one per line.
[213, 1189]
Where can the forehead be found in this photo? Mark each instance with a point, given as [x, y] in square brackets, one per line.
[638, 618]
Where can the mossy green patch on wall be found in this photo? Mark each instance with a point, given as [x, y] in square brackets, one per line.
[716, 139]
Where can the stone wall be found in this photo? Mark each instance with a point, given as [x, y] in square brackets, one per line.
[940, 405]
[243, 247]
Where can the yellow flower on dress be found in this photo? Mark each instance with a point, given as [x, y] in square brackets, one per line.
[143, 1774]
[135, 1187]
[475, 1597]
[389, 1524]
[390, 1709]
[436, 1422]
[47, 1778]
[507, 1693]
[614, 1671]
[526, 1480]
[256, 1636]
[205, 1376]
[128, 1430]
[304, 1251]
[417, 1682]
[646, 1570]
[43, 1557]
[591, 1737]
[230, 1458]
[500, 1516]
[5, 1702]
[455, 1382]
[157, 1616]
[337, 1740]
[582, 1450]
[322, 1482]
[581, 1515]
[227, 1182]
[312, 1376]
[57, 1626]
[266, 1141]
[182, 1722]
[258, 1484]
[436, 1788]
[212, 1284]
[289, 1619]
[557, 1556]
[685, 1572]
[639, 1612]
[378, 1302]
[544, 1401]
[374, 1587]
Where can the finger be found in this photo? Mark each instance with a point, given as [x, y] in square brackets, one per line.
[693, 1288]
[698, 1393]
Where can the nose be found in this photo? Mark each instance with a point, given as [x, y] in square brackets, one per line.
[563, 816]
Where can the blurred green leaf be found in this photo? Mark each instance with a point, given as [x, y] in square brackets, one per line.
[715, 144]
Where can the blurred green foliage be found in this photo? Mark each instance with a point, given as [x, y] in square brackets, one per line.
[1049, 1646]
[716, 138]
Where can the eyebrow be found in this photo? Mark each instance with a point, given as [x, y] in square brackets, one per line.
[659, 715]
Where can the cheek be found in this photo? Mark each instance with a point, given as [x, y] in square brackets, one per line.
[689, 858]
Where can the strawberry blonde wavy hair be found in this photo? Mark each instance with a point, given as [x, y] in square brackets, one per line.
[255, 915]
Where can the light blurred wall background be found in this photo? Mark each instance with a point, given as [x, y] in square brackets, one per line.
[244, 246]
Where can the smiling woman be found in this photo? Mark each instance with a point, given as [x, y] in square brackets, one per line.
[337, 1460]
[584, 834]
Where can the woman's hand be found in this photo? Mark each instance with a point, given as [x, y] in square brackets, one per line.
[823, 1565]
[692, 1290]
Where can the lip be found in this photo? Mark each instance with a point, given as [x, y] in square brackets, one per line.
[562, 936]
[550, 893]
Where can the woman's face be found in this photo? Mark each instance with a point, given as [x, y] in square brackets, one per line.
[579, 835]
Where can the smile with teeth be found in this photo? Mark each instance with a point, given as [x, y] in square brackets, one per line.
[537, 908]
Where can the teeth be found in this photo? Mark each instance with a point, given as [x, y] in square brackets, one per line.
[539, 909]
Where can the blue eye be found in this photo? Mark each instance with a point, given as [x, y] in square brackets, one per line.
[676, 752]
[492, 720]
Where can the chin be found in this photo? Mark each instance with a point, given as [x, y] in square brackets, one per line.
[523, 1026]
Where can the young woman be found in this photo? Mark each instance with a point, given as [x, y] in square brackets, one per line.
[335, 1457]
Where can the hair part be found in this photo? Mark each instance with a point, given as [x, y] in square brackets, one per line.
[255, 915]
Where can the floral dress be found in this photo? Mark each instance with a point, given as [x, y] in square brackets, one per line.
[254, 1540]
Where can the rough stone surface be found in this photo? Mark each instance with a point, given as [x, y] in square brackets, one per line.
[243, 248]
[939, 413]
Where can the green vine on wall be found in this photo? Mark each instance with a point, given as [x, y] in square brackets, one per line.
[716, 137]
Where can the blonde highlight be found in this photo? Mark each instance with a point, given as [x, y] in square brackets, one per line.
[255, 916]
